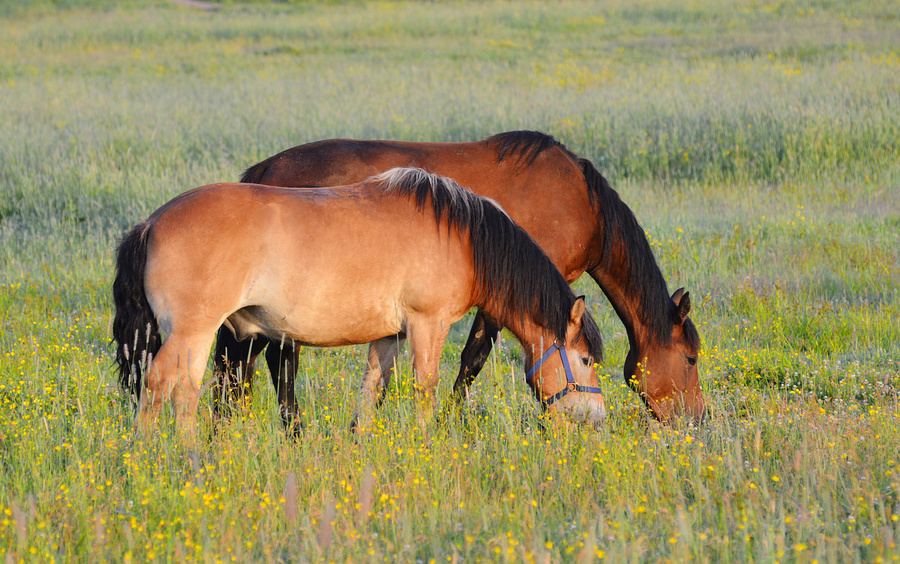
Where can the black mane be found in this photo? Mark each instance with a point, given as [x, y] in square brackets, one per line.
[625, 243]
[623, 239]
[514, 277]
[525, 146]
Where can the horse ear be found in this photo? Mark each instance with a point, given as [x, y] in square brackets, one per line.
[682, 301]
[577, 311]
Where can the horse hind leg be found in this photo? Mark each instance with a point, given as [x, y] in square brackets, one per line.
[283, 358]
[381, 367]
[175, 374]
[233, 366]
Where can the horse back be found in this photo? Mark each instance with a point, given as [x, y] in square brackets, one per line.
[545, 194]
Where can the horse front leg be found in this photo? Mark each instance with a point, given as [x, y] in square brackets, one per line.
[283, 358]
[233, 368]
[426, 340]
[482, 336]
[381, 367]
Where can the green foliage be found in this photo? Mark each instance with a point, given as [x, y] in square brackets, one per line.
[755, 141]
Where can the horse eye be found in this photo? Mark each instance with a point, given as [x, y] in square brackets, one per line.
[586, 361]
[692, 360]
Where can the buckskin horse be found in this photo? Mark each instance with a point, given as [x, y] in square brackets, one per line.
[400, 256]
[566, 206]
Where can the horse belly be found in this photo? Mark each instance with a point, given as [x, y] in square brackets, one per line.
[321, 321]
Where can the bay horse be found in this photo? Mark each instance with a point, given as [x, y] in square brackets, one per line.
[566, 206]
[402, 255]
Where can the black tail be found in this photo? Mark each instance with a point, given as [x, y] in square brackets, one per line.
[255, 173]
[135, 329]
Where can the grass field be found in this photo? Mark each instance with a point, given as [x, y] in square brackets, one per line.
[756, 141]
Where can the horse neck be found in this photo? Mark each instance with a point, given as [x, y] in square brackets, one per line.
[639, 296]
[534, 338]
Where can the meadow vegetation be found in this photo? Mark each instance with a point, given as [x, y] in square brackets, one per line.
[755, 140]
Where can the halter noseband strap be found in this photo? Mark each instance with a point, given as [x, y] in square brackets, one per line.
[571, 385]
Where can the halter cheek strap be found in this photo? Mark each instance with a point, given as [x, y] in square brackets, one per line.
[571, 385]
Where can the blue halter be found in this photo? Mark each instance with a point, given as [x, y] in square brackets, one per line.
[571, 385]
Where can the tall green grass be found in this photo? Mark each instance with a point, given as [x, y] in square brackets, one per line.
[755, 141]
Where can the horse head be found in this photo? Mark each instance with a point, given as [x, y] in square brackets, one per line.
[563, 377]
[665, 374]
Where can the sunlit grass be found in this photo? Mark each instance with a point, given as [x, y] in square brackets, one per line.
[778, 470]
[756, 142]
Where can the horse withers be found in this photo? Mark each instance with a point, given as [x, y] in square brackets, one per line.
[566, 206]
[400, 256]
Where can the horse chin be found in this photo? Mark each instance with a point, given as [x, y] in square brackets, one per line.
[669, 412]
[586, 411]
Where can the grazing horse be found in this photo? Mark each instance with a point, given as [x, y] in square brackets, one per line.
[566, 206]
[402, 255]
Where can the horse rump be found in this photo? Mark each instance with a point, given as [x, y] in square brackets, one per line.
[135, 328]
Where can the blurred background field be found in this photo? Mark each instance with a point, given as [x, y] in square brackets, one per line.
[756, 142]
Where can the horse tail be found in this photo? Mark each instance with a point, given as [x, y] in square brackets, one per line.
[255, 173]
[135, 328]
